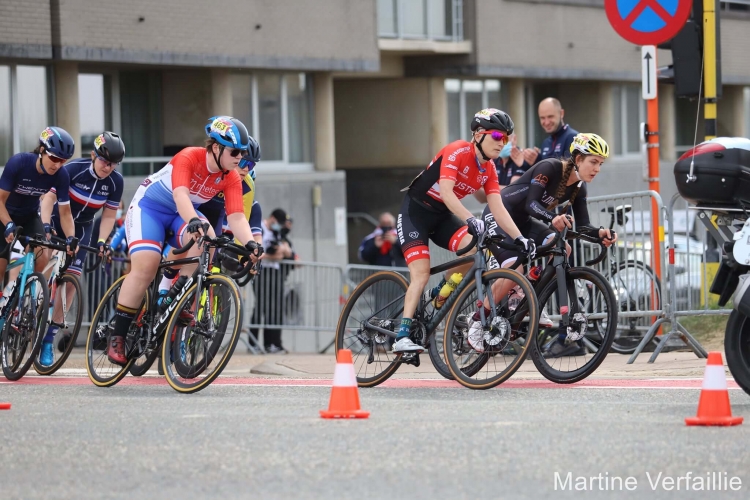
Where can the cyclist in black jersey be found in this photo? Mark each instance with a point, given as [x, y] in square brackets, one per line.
[531, 200]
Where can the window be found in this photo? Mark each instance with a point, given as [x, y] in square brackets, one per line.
[421, 19]
[24, 108]
[277, 108]
[465, 98]
[94, 108]
[735, 5]
[629, 111]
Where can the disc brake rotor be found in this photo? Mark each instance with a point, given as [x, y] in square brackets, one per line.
[579, 325]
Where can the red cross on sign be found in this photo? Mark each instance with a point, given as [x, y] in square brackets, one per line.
[647, 22]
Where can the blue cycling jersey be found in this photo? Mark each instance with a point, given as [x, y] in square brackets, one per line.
[557, 145]
[25, 184]
[89, 193]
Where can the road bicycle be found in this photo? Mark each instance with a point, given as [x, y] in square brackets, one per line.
[195, 338]
[370, 320]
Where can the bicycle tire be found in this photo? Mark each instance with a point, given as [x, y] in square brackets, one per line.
[78, 295]
[437, 355]
[737, 348]
[170, 346]
[399, 285]
[93, 340]
[13, 366]
[558, 376]
[463, 374]
[633, 337]
[140, 369]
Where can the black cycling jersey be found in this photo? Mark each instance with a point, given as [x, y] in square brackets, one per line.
[530, 195]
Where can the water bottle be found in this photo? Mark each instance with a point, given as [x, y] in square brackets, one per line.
[176, 288]
[534, 274]
[447, 289]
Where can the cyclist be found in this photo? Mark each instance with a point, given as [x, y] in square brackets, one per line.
[165, 204]
[28, 176]
[432, 210]
[531, 202]
[94, 185]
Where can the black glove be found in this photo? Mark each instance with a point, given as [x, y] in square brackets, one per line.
[254, 248]
[9, 228]
[72, 243]
[47, 229]
[195, 225]
[528, 245]
[476, 226]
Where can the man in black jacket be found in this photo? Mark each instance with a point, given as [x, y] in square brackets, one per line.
[381, 247]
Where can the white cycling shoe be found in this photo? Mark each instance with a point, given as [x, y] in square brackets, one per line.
[476, 336]
[406, 345]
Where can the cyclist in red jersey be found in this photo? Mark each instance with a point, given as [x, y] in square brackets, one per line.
[432, 209]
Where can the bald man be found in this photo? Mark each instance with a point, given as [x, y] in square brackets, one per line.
[557, 145]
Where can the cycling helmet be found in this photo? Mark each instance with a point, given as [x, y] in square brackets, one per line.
[110, 147]
[253, 154]
[492, 119]
[57, 142]
[228, 132]
[590, 144]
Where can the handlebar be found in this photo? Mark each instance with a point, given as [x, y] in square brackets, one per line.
[591, 239]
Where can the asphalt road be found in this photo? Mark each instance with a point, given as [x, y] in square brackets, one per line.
[249, 441]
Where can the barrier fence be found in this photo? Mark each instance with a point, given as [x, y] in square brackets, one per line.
[304, 296]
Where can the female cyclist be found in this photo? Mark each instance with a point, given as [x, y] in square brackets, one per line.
[166, 204]
[432, 209]
[531, 202]
[95, 185]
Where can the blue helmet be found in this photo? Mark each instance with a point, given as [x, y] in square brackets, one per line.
[252, 156]
[228, 132]
[57, 142]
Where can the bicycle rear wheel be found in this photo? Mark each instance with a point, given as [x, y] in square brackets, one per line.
[482, 358]
[593, 316]
[378, 300]
[192, 356]
[637, 288]
[67, 303]
[24, 327]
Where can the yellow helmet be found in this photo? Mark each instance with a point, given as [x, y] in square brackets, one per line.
[590, 144]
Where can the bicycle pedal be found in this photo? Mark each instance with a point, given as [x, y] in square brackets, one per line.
[410, 359]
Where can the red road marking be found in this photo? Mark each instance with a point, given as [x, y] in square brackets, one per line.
[396, 383]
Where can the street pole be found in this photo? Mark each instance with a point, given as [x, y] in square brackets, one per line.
[652, 151]
[709, 67]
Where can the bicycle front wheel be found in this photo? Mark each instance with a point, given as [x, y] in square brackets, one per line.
[198, 347]
[637, 288]
[377, 301]
[482, 357]
[66, 312]
[565, 357]
[24, 327]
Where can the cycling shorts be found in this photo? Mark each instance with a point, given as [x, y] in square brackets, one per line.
[148, 225]
[417, 225]
[83, 233]
[530, 228]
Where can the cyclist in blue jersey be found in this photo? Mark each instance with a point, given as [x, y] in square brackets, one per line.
[26, 177]
[94, 185]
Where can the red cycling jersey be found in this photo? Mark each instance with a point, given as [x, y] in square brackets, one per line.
[456, 162]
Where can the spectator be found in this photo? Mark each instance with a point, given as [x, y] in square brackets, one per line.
[557, 145]
[381, 247]
[269, 285]
[510, 166]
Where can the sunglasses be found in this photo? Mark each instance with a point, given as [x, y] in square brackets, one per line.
[106, 162]
[248, 164]
[234, 153]
[53, 158]
[496, 135]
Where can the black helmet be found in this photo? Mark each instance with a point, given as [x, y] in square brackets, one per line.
[252, 156]
[110, 147]
[492, 119]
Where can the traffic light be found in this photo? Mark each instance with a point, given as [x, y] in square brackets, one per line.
[687, 55]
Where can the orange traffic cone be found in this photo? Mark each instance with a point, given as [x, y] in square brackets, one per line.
[345, 394]
[4, 406]
[713, 406]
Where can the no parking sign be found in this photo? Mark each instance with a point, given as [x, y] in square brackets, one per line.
[647, 22]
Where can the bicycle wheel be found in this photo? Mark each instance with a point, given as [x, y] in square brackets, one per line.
[66, 307]
[593, 318]
[637, 288]
[378, 300]
[191, 356]
[143, 364]
[101, 371]
[437, 353]
[482, 358]
[25, 326]
[737, 348]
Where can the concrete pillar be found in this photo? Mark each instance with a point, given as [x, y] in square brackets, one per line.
[325, 132]
[66, 101]
[221, 92]
[438, 114]
[517, 109]
[667, 127]
[606, 127]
